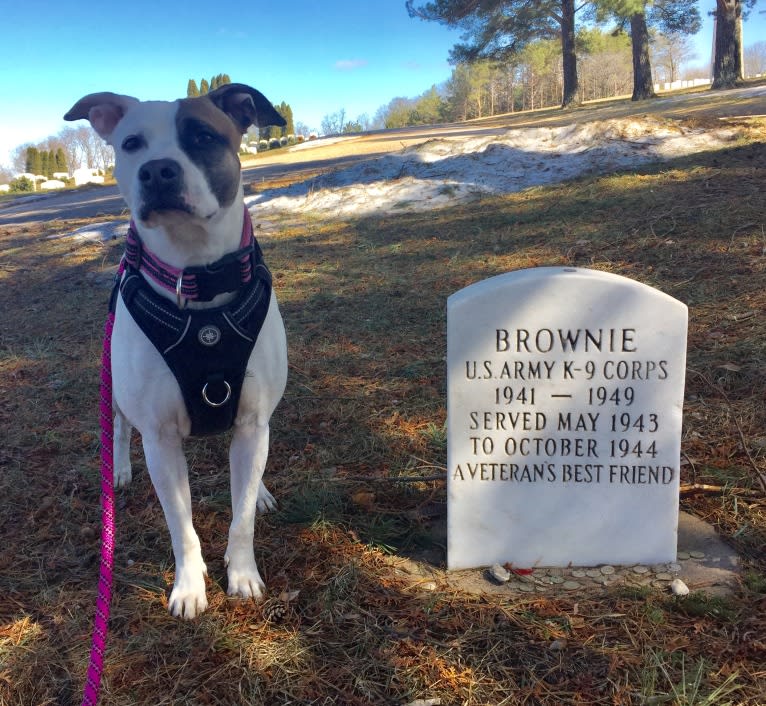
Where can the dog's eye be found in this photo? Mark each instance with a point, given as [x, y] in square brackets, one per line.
[132, 143]
[204, 138]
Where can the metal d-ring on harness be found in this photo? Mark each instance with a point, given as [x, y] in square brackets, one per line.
[223, 401]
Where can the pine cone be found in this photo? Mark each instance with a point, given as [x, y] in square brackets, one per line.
[275, 610]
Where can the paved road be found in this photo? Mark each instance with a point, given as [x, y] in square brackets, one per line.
[93, 202]
[98, 201]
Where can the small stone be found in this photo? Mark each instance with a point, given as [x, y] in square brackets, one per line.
[697, 555]
[674, 567]
[679, 588]
[557, 645]
[556, 579]
[500, 573]
[87, 533]
[683, 555]
[640, 569]
[526, 587]
[593, 573]
[606, 569]
[664, 576]
[570, 585]
[579, 573]
[428, 586]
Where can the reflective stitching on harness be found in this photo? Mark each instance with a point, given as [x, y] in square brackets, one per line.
[180, 338]
[246, 304]
[141, 302]
[236, 330]
[180, 319]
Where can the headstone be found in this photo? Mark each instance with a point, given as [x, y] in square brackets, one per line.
[565, 398]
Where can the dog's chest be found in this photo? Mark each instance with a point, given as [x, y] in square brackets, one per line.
[207, 350]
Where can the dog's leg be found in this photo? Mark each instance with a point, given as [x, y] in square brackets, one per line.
[247, 456]
[167, 468]
[122, 429]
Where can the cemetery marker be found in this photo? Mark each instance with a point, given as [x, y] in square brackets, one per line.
[565, 398]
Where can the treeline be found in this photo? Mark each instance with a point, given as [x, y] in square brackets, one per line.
[72, 147]
[45, 162]
[205, 86]
[531, 80]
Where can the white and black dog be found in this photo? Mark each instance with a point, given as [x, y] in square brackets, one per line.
[194, 289]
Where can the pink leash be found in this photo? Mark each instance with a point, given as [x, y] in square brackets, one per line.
[101, 621]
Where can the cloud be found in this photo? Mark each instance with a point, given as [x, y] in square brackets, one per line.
[350, 64]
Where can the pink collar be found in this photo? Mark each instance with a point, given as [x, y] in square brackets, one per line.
[199, 282]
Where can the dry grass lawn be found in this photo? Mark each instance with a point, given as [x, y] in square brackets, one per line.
[357, 464]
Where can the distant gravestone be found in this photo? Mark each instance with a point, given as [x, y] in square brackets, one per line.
[565, 397]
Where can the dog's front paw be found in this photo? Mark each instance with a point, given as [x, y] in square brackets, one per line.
[122, 475]
[188, 598]
[266, 502]
[246, 582]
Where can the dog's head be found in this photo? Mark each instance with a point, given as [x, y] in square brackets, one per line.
[177, 158]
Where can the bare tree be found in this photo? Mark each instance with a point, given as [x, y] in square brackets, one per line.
[755, 59]
[71, 142]
[670, 52]
[333, 124]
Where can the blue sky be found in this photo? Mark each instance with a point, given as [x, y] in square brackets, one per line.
[317, 56]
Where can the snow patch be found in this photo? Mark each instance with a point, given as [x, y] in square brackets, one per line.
[448, 170]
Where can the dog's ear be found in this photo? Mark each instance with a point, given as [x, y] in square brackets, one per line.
[103, 110]
[245, 106]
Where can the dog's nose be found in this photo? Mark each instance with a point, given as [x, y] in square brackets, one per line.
[160, 173]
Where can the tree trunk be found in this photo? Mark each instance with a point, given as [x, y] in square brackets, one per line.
[568, 51]
[727, 65]
[643, 87]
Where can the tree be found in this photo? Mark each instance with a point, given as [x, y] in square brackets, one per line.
[499, 29]
[192, 90]
[34, 162]
[60, 160]
[669, 16]
[727, 61]
[670, 52]
[333, 124]
[755, 59]
[204, 87]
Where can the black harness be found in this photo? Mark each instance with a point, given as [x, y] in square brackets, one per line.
[207, 350]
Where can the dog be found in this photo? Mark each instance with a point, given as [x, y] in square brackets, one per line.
[177, 167]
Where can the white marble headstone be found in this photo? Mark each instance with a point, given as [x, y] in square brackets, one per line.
[565, 397]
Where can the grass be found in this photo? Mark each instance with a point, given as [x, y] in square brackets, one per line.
[357, 462]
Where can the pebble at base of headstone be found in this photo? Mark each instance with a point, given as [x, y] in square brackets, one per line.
[565, 397]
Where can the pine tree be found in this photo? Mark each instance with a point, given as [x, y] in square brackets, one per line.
[499, 29]
[45, 163]
[192, 91]
[204, 87]
[34, 161]
[61, 165]
[29, 164]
